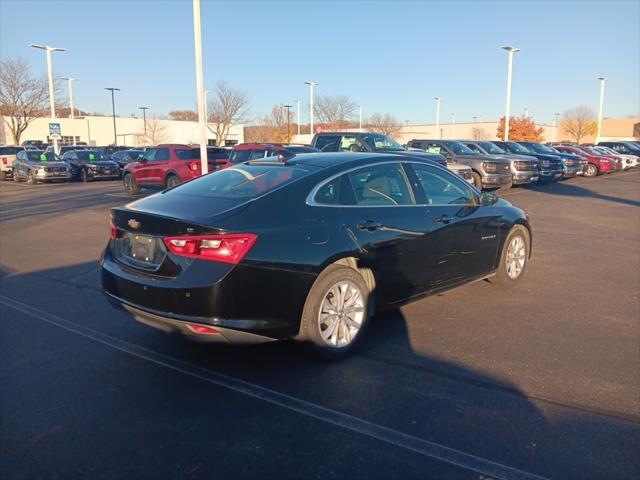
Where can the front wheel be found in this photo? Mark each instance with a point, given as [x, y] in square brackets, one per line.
[335, 315]
[3, 175]
[16, 177]
[591, 171]
[31, 179]
[515, 255]
[477, 180]
[171, 181]
[130, 184]
[84, 177]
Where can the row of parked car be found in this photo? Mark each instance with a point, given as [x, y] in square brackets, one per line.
[486, 164]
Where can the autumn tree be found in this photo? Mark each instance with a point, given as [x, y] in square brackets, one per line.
[227, 107]
[23, 98]
[578, 123]
[334, 112]
[184, 115]
[386, 124]
[273, 128]
[479, 134]
[521, 130]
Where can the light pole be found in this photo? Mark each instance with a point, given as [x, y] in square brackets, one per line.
[475, 118]
[311, 85]
[555, 124]
[481, 123]
[113, 109]
[453, 126]
[360, 119]
[288, 121]
[526, 113]
[437, 99]
[298, 113]
[52, 103]
[70, 85]
[603, 80]
[202, 121]
[144, 117]
[511, 51]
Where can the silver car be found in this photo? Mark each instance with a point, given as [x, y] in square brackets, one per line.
[39, 166]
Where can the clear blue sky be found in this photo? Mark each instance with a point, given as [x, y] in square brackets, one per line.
[392, 57]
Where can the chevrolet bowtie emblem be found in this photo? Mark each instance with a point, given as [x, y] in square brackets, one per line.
[133, 223]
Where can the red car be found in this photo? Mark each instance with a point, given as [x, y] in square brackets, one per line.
[166, 166]
[616, 161]
[596, 164]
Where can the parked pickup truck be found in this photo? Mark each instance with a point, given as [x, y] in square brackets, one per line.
[7, 158]
[572, 165]
[550, 165]
[487, 171]
[524, 168]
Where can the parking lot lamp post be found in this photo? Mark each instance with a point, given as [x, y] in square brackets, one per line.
[555, 124]
[202, 121]
[144, 117]
[52, 102]
[526, 113]
[288, 107]
[511, 51]
[360, 118]
[70, 85]
[298, 113]
[481, 124]
[437, 99]
[603, 80]
[311, 85]
[113, 110]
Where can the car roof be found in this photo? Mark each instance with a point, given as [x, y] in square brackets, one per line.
[330, 159]
[249, 146]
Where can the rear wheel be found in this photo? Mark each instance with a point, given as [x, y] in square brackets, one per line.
[591, 171]
[171, 181]
[335, 315]
[515, 255]
[477, 180]
[130, 184]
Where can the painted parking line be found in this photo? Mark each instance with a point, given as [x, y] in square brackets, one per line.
[381, 433]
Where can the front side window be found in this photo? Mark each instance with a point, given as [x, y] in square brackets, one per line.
[256, 154]
[150, 155]
[475, 148]
[459, 148]
[491, 148]
[350, 143]
[327, 143]
[441, 188]
[379, 185]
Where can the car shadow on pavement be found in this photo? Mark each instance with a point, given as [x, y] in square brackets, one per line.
[386, 382]
[567, 189]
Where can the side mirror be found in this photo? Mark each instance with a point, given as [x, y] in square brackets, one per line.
[487, 199]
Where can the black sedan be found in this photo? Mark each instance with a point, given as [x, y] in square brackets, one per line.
[306, 248]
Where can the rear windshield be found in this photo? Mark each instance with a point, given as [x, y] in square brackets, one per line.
[241, 182]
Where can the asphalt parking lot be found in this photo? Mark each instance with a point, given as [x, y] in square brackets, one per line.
[476, 383]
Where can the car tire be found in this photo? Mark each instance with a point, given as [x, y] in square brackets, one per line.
[130, 185]
[344, 289]
[3, 175]
[31, 180]
[514, 257]
[591, 171]
[477, 180]
[171, 181]
[84, 178]
[16, 177]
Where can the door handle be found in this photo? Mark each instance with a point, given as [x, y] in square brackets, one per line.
[369, 225]
[444, 219]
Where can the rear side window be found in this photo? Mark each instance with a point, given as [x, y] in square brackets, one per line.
[241, 182]
[329, 193]
[327, 143]
[256, 154]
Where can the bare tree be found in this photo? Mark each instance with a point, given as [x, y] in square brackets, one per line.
[578, 123]
[334, 111]
[184, 115]
[228, 107]
[387, 124]
[156, 132]
[478, 134]
[23, 98]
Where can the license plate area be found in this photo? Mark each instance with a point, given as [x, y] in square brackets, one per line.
[142, 250]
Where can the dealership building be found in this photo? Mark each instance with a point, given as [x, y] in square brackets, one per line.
[131, 131]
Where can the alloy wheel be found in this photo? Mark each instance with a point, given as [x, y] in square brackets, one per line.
[516, 257]
[128, 183]
[592, 171]
[341, 314]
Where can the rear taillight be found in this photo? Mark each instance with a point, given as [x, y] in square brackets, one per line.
[194, 166]
[228, 248]
[114, 231]
[201, 329]
[4, 160]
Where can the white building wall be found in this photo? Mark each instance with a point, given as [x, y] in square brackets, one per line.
[95, 130]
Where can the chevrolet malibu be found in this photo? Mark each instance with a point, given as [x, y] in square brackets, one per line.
[306, 248]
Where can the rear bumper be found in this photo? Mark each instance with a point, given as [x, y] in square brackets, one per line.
[187, 326]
